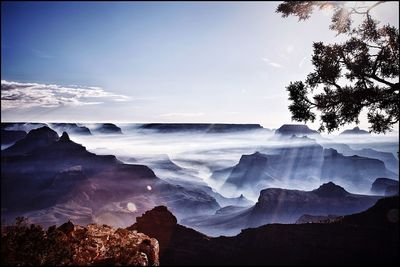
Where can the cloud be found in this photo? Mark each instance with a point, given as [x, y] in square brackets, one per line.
[302, 62]
[41, 54]
[183, 114]
[273, 64]
[17, 95]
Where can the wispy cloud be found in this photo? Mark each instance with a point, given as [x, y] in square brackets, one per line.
[183, 114]
[41, 54]
[273, 64]
[17, 95]
[301, 63]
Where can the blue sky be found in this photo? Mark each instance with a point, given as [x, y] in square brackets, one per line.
[155, 61]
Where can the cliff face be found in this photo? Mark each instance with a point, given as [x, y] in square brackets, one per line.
[381, 185]
[295, 129]
[352, 171]
[72, 244]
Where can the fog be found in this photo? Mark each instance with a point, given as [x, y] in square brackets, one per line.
[194, 156]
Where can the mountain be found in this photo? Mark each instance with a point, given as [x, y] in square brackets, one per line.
[353, 239]
[71, 128]
[276, 205]
[352, 171]
[107, 128]
[391, 162]
[252, 171]
[36, 138]
[286, 206]
[199, 127]
[21, 126]
[355, 130]
[10, 137]
[62, 180]
[295, 129]
[298, 161]
[385, 186]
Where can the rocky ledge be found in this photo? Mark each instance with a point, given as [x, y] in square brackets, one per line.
[72, 244]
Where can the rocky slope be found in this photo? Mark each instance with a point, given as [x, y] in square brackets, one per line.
[76, 245]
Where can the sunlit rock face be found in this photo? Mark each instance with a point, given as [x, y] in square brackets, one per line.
[75, 245]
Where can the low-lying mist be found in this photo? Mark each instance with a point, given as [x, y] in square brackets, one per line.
[194, 156]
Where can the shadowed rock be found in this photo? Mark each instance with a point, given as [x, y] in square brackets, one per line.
[295, 129]
[71, 128]
[353, 239]
[10, 137]
[36, 138]
[381, 185]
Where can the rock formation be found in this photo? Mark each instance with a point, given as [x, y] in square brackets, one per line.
[295, 129]
[381, 185]
[353, 239]
[37, 138]
[107, 128]
[76, 245]
[355, 130]
[71, 128]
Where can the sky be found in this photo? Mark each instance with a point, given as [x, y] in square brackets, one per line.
[157, 61]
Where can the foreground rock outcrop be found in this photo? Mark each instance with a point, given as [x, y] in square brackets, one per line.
[72, 244]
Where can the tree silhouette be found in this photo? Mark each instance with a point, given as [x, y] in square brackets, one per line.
[361, 73]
